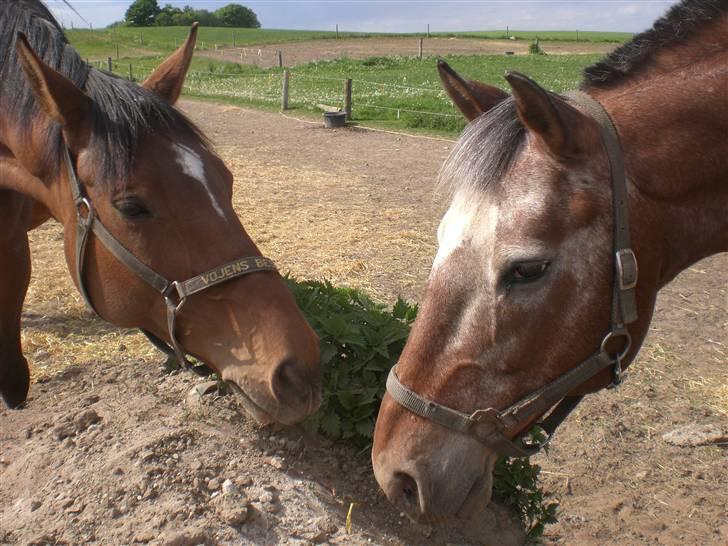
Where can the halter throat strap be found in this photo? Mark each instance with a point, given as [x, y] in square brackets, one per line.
[497, 428]
[175, 293]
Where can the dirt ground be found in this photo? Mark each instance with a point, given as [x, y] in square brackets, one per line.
[109, 450]
[295, 53]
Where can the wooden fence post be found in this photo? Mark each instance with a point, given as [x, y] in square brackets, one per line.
[117, 50]
[110, 64]
[347, 98]
[428, 30]
[419, 47]
[279, 53]
[284, 91]
[131, 73]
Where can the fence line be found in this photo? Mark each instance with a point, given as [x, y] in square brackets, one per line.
[398, 110]
[399, 86]
[224, 75]
[270, 78]
[317, 78]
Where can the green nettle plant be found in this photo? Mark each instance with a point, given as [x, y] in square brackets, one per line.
[360, 341]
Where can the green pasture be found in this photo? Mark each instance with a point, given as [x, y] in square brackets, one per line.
[135, 41]
[393, 92]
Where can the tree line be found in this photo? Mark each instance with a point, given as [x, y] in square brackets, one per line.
[147, 13]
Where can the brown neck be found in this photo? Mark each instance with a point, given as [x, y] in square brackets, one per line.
[672, 119]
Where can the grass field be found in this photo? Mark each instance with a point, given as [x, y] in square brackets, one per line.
[98, 44]
[397, 92]
[393, 92]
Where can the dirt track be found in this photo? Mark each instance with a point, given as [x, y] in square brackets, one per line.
[357, 207]
[295, 53]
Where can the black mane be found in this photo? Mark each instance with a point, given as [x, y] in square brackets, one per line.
[122, 112]
[680, 23]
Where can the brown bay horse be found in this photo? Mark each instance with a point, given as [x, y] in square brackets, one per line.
[142, 199]
[534, 292]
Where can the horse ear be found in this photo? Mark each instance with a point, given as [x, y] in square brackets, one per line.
[169, 77]
[555, 122]
[471, 97]
[58, 96]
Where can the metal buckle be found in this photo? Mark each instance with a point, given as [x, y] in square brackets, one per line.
[491, 415]
[81, 203]
[627, 269]
[622, 332]
[177, 303]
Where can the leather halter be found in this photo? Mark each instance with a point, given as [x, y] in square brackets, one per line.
[496, 428]
[175, 293]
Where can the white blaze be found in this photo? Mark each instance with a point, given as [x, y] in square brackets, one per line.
[469, 219]
[193, 167]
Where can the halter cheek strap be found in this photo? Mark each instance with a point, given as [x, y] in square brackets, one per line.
[497, 428]
[174, 293]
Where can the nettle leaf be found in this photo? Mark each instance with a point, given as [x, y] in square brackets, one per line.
[328, 351]
[365, 428]
[347, 399]
[331, 425]
[400, 309]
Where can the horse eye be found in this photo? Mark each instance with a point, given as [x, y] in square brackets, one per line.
[132, 207]
[524, 272]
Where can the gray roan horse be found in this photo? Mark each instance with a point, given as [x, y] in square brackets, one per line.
[532, 296]
[151, 237]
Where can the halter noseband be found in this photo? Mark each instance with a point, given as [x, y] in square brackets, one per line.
[495, 428]
[175, 293]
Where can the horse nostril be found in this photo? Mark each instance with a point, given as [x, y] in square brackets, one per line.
[407, 485]
[289, 384]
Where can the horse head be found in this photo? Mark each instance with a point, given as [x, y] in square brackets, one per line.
[519, 293]
[151, 179]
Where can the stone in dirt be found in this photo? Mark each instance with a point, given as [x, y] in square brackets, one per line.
[63, 431]
[232, 509]
[187, 538]
[229, 488]
[319, 530]
[194, 396]
[85, 419]
[697, 435]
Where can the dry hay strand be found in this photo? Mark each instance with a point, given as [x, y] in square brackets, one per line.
[655, 363]
[720, 394]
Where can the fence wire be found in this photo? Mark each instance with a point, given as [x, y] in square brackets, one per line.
[308, 95]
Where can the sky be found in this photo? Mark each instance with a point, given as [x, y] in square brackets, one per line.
[407, 16]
